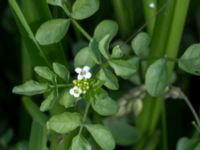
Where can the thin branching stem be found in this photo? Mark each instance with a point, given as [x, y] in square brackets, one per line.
[78, 26]
[84, 117]
[191, 108]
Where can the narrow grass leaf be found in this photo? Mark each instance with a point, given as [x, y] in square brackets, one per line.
[34, 111]
[38, 137]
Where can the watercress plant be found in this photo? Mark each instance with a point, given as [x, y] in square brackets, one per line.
[72, 100]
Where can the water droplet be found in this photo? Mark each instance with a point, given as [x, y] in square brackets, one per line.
[152, 5]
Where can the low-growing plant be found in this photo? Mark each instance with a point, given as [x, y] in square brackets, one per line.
[78, 110]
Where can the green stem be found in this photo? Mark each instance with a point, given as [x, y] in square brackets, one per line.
[60, 85]
[77, 25]
[191, 108]
[176, 30]
[162, 27]
[171, 59]
[150, 14]
[84, 117]
[164, 128]
[124, 18]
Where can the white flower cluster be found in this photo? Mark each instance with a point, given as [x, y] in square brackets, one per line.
[81, 85]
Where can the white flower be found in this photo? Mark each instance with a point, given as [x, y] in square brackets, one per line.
[75, 91]
[83, 73]
[152, 5]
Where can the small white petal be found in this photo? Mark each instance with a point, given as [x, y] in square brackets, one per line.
[78, 70]
[71, 91]
[88, 75]
[86, 68]
[76, 95]
[80, 77]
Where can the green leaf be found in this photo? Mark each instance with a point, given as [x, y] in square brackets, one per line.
[197, 147]
[110, 79]
[6, 138]
[124, 134]
[140, 44]
[52, 31]
[82, 9]
[120, 49]
[65, 122]
[22, 145]
[124, 68]
[105, 27]
[117, 52]
[103, 104]
[102, 136]
[94, 51]
[49, 102]
[60, 3]
[67, 100]
[61, 71]
[190, 61]
[83, 58]
[45, 73]
[156, 78]
[104, 46]
[30, 88]
[184, 144]
[80, 143]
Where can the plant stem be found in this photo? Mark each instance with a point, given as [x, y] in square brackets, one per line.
[84, 117]
[150, 12]
[162, 27]
[171, 59]
[60, 85]
[124, 18]
[176, 30]
[191, 108]
[164, 128]
[77, 25]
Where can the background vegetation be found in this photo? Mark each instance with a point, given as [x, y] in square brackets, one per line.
[131, 15]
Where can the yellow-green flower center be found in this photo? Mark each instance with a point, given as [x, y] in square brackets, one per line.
[82, 84]
[83, 73]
